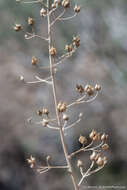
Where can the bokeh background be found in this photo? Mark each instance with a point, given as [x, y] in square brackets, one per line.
[101, 58]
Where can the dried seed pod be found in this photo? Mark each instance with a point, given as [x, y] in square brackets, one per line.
[104, 137]
[45, 122]
[39, 112]
[61, 107]
[43, 12]
[96, 137]
[48, 158]
[57, 2]
[79, 88]
[52, 51]
[82, 140]
[45, 111]
[65, 117]
[34, 60]
[68, 48]
[77, 9]
[97, 87]
[66, 3]
[105, 159]
[105, 147]
[100, 162]
[30, 21]
[92, 134]
[76, 41]
[79, 163]
[17, 27]
[89, 90]
[93, 156]
[54, 5]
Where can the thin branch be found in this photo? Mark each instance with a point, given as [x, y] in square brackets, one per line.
[58, 18]
[40, 80]
[29, 36]
[53, 167]
[68, 18]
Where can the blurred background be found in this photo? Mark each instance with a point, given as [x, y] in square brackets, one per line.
[101, 58]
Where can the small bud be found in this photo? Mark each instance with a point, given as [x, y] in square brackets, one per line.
[17, 27]
[97, 87]
[82, 140]
[43, 12]
[30, 21]
[66, 3]
[52, 51]
[45, 122]
[34, 61]
[96, 137]
[68, 48]
[104, 137]
[76, 41]
[65, 117]
[79, 89]
[79, 163]
[39, 112]
[45, 111]
[77, 9]
[61, 107]
[93, 156]
[105, 147]
[89, 90]
[92, 134]
[100, 162]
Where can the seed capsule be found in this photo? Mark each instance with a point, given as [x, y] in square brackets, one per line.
[77, 9]
[105, 147]
[52, 51]
[43, 12]
[66, 3]
[65, 117]
[82, 140]
[104, 137]
[93, 156]
[92, 134]
[34, 60]
[17, 27]
[97, 87]
[68, 48]
[76, 41]
[45, 122]
[79, 163]
[30, 21]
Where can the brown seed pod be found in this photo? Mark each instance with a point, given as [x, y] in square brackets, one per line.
[92, 134]
[44, 123]
[61, 107]
[104, 137]
[89, 90]
[79, 163]
[77, 9]
[105, 147]
[76, 41]
[43, 12]
[96, 137]
[100, 162]
[17, 27]
[34, 60]
[82, 140]
[68, 48]
[65, 117]
[79, 88]
[66, 3]
[97, 87]
[54, 5]
[30, 21]
[45, 111]
[93, 156]
[39, 112]
[52, 51]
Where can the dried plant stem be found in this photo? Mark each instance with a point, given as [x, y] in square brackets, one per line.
[56, 101]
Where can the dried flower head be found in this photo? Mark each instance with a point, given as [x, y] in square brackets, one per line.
[17, 27]
[79, 88]
[97, 87]
[76, 41]
[43, 12]
[79, 163]
[82, 140]
[77, 9]
[66, 3]
[45, 122]
[92, 134]
[93, 156]
[34, 60]
[39, 112]
[45, 111]
[68, 48]
[65, 117]
[89, 90]
[105, 147]
[96, 137]
[31, 161]
[104, 137]
[30, 21]
[52, 51]
[61, 107]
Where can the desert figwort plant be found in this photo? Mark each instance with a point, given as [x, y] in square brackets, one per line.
[86, 93]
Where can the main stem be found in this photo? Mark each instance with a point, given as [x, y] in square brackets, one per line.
[56, 101]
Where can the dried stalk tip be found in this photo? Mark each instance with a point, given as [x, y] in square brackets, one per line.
[79, 163]
[30, 21]
[34, 60]
[104, 137]
[82, 140]
[31, 161]
[43, 12]
[52, 51]
[89, 90]
[97, 87]
[65, 117]
[61, 107]
[39, 112]
[105, 147]
[17, 27]
[76, 41]
[66, 3]
[79, 89]
[68, 48]
[77, 9]
[45, 122]
[45, 111]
